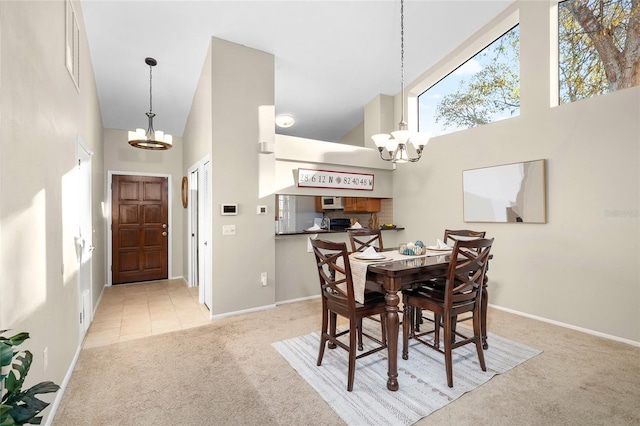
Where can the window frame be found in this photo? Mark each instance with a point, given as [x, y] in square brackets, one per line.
[492, 31]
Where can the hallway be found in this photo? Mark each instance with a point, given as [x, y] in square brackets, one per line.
[132, 311]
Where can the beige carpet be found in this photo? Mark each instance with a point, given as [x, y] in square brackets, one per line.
[228, 373]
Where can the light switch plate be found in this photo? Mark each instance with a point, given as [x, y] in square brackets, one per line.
[228, 230]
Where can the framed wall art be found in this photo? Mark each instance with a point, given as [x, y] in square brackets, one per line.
[506, 193]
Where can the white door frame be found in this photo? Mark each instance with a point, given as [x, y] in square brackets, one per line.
[110, 174]
[204, 236]
[192, 228]
[84, 238]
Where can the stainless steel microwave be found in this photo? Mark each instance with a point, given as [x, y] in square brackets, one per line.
[329, 203]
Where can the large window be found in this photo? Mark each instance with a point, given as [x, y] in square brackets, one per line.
[597, 47]
[484, 89]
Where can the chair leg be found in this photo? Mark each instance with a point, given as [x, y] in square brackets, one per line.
[323, 335]
[353, 325]
[332, 328]
[454, 324]
[437, 322]
[417, 319]
[360, 347]
[477, 334]
[447, 350]
[407, 326]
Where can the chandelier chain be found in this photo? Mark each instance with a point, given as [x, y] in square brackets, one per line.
[150, 88]
[402, 55]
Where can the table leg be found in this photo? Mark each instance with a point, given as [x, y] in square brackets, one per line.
[393, 327]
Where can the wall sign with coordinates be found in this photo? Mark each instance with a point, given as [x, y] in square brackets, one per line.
[336, 180]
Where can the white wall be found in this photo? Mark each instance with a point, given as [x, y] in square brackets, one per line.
[197, 132]
[354, 136]
[580, 268]
[242, 81]
[41, 116]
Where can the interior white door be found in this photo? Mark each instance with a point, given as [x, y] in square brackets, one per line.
[84, 239]
[204, 233]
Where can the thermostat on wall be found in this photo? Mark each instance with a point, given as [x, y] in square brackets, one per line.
[228, 209]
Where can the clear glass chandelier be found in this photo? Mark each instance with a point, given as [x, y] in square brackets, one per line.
[150, 139]
[394, 147]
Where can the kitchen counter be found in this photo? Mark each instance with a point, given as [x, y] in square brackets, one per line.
[341, 231]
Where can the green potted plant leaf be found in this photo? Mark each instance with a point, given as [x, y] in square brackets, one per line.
[19, 407]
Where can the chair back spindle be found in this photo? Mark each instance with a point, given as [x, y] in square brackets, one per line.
[361, 239]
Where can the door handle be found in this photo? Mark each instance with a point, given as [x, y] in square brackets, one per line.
[91, 248]
[164, 226]
[164, 234]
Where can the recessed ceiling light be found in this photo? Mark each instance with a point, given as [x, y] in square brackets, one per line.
[284, 120]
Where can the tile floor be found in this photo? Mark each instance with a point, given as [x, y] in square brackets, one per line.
[132, 311]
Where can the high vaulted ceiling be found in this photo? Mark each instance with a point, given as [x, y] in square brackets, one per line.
[331, 57]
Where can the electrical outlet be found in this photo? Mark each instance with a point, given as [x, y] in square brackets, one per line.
[263, 278]
[45, 358]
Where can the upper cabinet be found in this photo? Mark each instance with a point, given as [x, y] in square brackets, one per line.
[355, 205]
[361, 204]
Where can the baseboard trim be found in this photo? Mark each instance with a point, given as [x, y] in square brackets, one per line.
[300, 299]
[569, 326]
[244, 311]
[95, 308]
[261, 308]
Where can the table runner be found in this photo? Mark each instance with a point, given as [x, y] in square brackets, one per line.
[359, 268]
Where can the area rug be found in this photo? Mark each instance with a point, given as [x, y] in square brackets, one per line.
[422, 378]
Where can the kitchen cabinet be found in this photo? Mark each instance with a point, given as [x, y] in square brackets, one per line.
[361, 205]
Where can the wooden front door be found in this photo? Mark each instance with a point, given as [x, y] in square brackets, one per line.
[139, 228]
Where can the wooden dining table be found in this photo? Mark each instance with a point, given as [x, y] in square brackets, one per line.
[392, 277]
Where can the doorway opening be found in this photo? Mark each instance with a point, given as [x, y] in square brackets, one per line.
[139, 217]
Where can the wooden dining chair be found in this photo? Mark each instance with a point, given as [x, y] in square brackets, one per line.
[450, 237]
[462, 293]
[361, 239]
[338, 298]
[464, 234]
